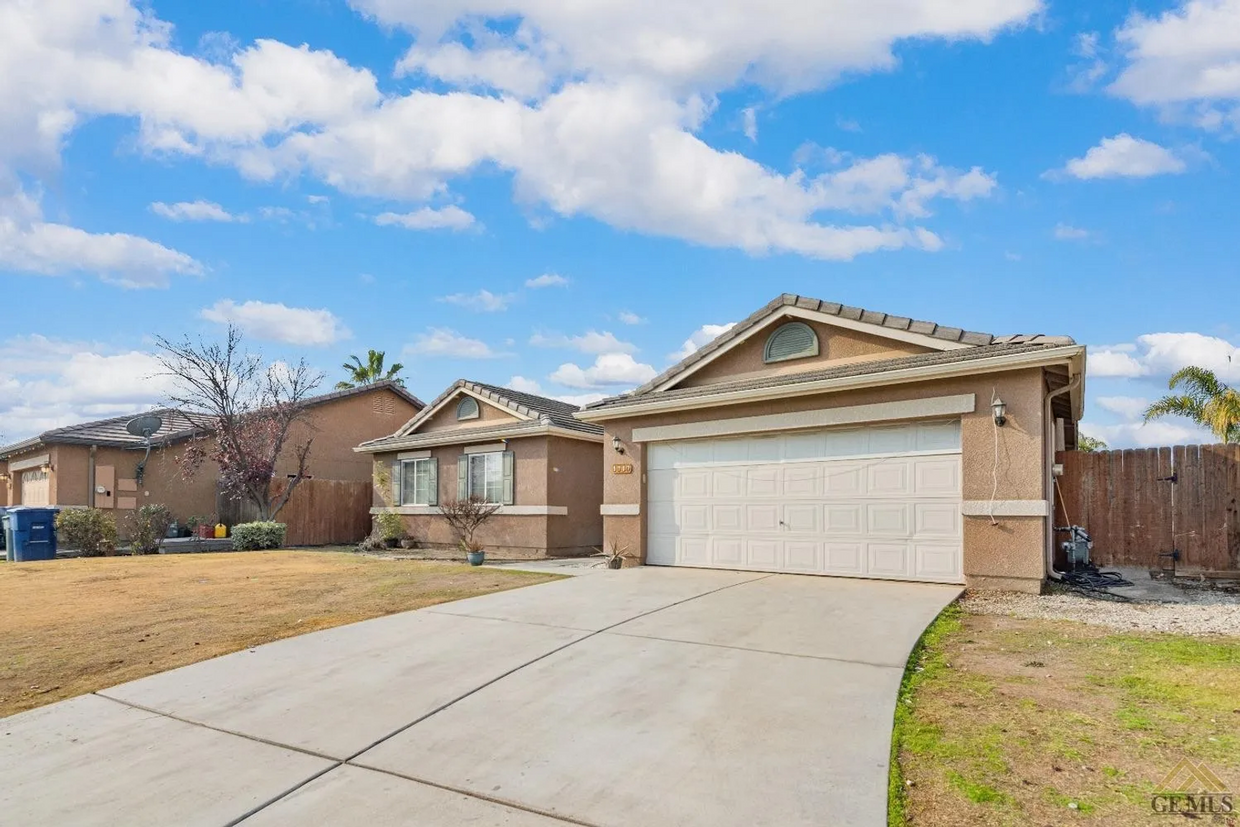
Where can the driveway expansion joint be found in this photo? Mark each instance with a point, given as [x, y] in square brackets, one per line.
[757, 651]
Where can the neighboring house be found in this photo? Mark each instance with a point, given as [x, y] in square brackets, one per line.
[526, 453]
[822, 439]
[95, 463]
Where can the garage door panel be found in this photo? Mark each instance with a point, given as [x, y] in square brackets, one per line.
[728, 517]
[843, 502]
[889, 559]
[936, 519]
[843, 558]
[936, 562]
[936, 477]
[802, 556]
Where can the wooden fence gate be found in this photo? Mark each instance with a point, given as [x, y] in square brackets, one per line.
[320, 512]
[1142, 502]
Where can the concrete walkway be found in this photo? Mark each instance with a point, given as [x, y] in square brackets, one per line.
[645, 696]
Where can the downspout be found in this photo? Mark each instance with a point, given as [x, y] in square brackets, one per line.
[1048, 420]
[90, 478]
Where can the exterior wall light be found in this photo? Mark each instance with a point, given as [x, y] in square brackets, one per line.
[1000, 410]
[617, 445]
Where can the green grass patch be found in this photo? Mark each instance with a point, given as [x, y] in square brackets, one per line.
[926, 662]
[976, 791]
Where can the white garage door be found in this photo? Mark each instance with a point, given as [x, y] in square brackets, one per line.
[858, 502]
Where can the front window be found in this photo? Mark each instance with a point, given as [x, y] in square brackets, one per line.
[417, 484]
[486, 477]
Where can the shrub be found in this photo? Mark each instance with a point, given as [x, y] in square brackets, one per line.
[147, 526]
[89, 530]
[258, 536]
[389, 526]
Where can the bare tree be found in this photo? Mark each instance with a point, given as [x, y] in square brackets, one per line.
[465, 516]
[248, 409]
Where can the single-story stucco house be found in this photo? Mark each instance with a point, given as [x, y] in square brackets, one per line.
[95, 463]
[823, 439]
[525, 452]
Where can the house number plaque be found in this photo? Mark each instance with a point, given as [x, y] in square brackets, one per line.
[622, 468]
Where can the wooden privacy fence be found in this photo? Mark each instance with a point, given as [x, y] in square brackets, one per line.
[1142, 502]
[320, 512]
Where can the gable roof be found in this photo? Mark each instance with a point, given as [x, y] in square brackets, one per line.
[537, 415]
[931, 334]
[178, 425]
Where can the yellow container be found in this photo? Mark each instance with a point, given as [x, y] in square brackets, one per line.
[221, 531]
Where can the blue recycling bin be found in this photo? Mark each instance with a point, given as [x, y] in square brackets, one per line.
[32, 532]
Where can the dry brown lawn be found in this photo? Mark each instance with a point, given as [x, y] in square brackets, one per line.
[74, 626]
[1014, 721]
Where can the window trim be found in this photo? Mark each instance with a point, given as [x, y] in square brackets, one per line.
[476, 413]
[813, 350]
[505, 462]
[432, 496]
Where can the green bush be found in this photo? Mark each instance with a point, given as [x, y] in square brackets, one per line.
[258, 536]
[147, 526]
[89, 530]
[389, 526]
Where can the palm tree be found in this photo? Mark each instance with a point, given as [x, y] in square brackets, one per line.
[1089, 444]
[370, 372]
[1205, 400]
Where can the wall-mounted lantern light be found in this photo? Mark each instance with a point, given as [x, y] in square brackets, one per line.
[1000, 410]
[617, 445]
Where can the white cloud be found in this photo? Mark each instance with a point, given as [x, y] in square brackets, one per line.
[30, 244]
[546, 280]
[589, 342]
[1189, 54]
[1160, 432]
[524, 385]
[484, 301]
[749, 123]
[1129, 407]
[1092, 66]
[1125, 157]
[194, 211]
[278, 322]
[447, 218]
[700, 337]
[48, 383]
[1162, 354]
[627, 317]
[318, 199]
[440, 341]
[518, 72]
[608, 369]
[580, 399]
[1066, 232]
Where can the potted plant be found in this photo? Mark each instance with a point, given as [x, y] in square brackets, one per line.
[465, 516]
[614, 556]
[390, 528]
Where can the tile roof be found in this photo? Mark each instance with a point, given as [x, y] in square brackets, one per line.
[177, 425]
[934, 330]
[544, 411]
[945, 357]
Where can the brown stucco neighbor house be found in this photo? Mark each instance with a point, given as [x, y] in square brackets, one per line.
[525, 452]
[823, 439]
[95, 463]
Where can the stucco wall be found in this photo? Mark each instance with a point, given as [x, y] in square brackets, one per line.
[339, 426]
[488, 415]
[836, 345]
[1013, 550]
[548, 471]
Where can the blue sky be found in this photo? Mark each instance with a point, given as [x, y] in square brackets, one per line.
[398, 174]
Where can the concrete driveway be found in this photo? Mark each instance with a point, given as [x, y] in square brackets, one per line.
[645, 696]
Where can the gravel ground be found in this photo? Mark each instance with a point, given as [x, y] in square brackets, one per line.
[1213, 614]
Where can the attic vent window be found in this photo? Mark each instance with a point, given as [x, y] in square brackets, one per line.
[468, 409]
[794, 340]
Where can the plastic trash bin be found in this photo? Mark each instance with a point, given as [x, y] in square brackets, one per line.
[6, 541]
[32, 533]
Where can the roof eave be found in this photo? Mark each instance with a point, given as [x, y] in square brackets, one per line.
[464, 437]
[992, 364]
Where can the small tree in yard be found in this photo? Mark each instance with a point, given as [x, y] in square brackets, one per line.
[249, 409]
[465, 516]
[147, 526]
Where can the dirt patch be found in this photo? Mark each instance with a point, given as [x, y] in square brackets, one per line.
[76, 626]
[1021, 721]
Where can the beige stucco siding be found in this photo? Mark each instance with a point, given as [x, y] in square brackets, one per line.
[488, 416]
[548, 471]
[338, 426]
[1012, 550]
[836, 345]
